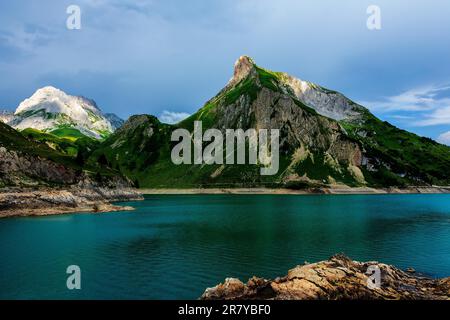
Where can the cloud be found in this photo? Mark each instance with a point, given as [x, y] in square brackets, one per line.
[147, 48]
[421, 107]
[419, 99]
[172, 117]
[437, 117]
[444, 138]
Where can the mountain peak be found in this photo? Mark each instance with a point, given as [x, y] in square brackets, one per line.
[48, 90]
[50, 108]
[243, 63]
[242, 68]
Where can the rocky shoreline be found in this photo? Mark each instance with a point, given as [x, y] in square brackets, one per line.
[322, 190]
[338, 278]
[52, 201]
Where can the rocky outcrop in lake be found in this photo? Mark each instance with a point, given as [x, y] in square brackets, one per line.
[338, 278]
[79, 198]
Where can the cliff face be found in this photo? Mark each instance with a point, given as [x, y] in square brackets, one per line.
[26, 163]
[334, 279]
[19, 169]
[271, 105]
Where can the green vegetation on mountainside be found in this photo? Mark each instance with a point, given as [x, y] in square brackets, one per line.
[68, 142]
[404, 158]
[11, 139]
[72, 154]
[68, 133]
[133, 148]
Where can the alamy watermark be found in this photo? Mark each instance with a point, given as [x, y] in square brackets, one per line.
[73, 21]
[374, 277]
[235, 142]
[74, 280]
[374, 19]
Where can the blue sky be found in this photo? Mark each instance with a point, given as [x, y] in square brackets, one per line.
[167, 57]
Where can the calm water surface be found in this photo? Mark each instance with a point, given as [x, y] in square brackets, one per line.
[174, 246]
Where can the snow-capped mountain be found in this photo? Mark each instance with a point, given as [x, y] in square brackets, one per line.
[49, 109]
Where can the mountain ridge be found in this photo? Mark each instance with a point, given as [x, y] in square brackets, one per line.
[325, 139]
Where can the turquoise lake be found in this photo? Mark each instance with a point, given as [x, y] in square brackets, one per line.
[175, 246]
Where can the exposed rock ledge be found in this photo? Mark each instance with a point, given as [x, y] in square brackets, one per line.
[337, 278]
[50, 201]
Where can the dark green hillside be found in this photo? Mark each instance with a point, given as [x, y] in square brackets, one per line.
[141, 150]
[134, 148]
[401, 157]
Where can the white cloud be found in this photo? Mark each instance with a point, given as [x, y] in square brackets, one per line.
[444, 138]
[418, 99]
[172, 117]
[437, 117]
[424, 106]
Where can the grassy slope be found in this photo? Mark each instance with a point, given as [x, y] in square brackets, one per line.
[68, 133]
[70, 142]
[421, 159]
[14, 140]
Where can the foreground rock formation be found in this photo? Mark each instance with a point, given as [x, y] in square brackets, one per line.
[334, 279]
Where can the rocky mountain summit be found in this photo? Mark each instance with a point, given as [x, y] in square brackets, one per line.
[338, 278]
[50, 109]
[326, 102]
[258, 98]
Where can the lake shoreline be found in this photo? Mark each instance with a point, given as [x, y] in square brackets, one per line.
[49, 201]
[338, 190]
[17, 202]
